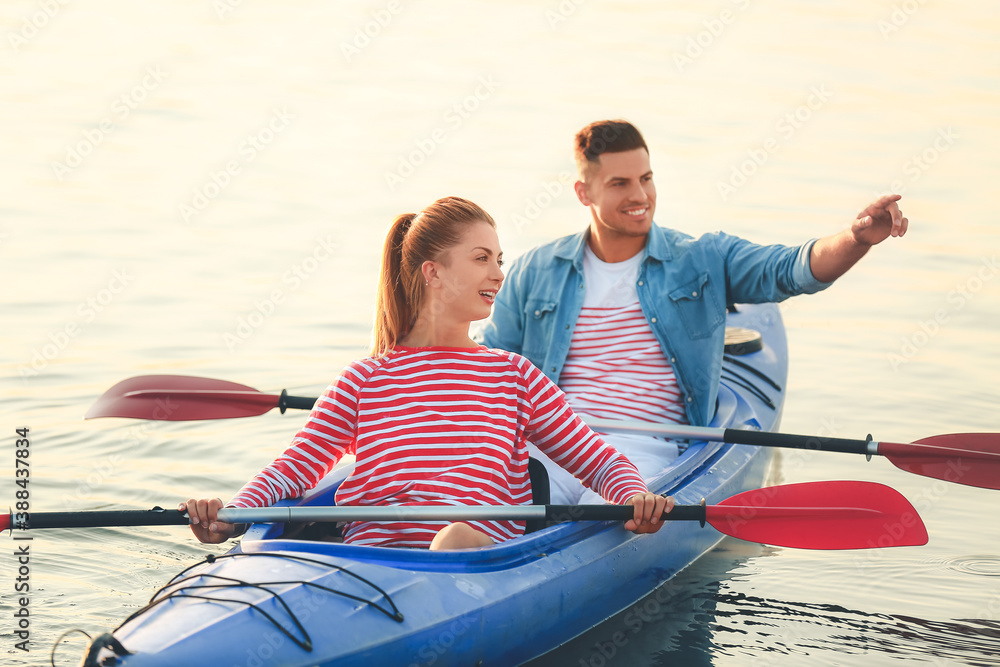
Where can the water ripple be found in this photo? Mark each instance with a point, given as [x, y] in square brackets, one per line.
[982, 566]
[764, 625]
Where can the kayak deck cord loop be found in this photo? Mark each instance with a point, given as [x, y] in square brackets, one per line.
[305, 643]
[93, 648]
[179, 590]
[756, 371]
[748, 383]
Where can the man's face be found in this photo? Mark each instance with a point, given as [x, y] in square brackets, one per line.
[620, 193]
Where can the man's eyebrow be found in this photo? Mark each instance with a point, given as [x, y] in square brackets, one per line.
[613, 179]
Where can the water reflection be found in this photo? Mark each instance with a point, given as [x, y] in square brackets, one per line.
[710, 614]
[672, 625]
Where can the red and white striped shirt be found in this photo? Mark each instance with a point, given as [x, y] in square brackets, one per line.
[616, 368]
[439, 426]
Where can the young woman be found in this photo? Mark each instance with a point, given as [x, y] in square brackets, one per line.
[432, 417]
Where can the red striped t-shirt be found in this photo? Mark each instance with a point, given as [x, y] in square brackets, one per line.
[439, 426]
[615, 368]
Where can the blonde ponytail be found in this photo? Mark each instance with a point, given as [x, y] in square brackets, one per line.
[393, 317]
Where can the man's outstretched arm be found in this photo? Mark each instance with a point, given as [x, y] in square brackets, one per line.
[832, 256]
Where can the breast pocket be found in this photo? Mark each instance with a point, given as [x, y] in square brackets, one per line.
[539, 321]
[699, 307]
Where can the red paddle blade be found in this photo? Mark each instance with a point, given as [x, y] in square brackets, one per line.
[821, 515]
[972, 459]
[180, 398]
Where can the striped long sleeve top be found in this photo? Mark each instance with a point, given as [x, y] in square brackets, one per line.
[439, 426]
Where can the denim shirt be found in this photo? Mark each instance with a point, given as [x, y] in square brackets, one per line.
[684, 286]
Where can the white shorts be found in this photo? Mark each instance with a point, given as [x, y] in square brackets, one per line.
[648, 454]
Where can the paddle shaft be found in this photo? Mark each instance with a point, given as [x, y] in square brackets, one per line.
[737, 436]
[808, 515]
[161, 517]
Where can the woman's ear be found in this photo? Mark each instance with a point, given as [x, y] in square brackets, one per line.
[429, 271]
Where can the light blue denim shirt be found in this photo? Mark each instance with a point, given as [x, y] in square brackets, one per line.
[684, 285]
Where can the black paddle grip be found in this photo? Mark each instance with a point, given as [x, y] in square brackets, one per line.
[295, 402]
[619, 513]
[766, 439]
[153, 517]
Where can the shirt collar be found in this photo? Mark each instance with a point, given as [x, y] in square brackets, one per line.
[571, 247]
[657, 246]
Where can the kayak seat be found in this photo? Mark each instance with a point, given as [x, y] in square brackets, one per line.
[539, 479]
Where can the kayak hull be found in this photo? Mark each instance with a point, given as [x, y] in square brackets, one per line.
[327, 603]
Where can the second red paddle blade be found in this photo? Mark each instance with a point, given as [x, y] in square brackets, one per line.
[180, 398]
[972, 459]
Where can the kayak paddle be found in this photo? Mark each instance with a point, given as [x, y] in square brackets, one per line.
[188, 398]
[972, 459]
[809, 515]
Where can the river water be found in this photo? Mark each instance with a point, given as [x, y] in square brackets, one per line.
[201, 187]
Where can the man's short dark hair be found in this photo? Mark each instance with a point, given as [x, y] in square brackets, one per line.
[605, 136]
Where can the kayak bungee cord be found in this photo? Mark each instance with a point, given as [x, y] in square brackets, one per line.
[180, 591]
[756, 371]
[106, 640]
[747, 383]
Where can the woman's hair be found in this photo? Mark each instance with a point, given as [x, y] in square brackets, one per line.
[413, 239]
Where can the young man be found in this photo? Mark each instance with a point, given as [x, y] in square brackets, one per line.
[629, 317]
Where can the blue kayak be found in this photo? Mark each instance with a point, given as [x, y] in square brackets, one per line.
[305, 602]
